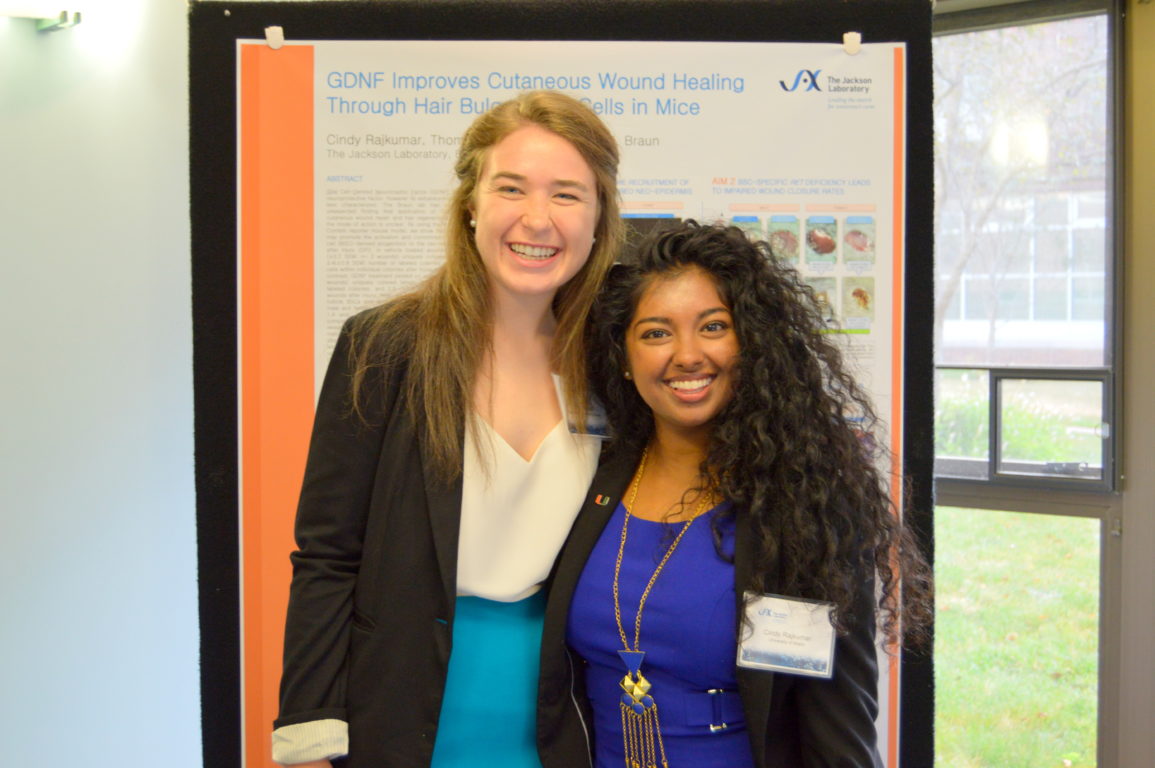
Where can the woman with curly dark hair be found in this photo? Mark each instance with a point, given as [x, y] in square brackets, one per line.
[720, 592]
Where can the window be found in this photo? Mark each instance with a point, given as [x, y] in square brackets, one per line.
[1024, 380]
[1023, 175]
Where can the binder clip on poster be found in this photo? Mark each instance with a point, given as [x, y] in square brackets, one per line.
[852, 42]
[275, 37]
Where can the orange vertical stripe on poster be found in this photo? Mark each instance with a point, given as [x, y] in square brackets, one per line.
[276, 356]
[898, 275]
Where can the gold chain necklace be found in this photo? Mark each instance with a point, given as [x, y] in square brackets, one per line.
[641, 729]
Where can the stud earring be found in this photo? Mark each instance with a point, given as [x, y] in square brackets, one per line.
[473, 223]
[629, 376]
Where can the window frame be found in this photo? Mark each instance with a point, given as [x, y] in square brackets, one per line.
[992, 475]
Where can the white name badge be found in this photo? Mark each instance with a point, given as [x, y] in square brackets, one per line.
[786, 634]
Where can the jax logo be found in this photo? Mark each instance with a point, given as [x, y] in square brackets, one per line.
[807, 77]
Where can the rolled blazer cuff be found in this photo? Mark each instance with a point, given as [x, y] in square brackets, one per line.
[312, 740]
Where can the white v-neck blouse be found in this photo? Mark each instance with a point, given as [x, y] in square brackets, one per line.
[515, 519]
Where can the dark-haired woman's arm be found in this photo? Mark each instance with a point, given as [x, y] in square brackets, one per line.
[837, 716]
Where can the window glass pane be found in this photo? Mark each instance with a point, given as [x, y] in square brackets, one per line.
[954, 309]
[1090, 249]
[1087, 302]
[1016, 639]
[979, 306]
[961, 424]
[981, 254]
[1014, 298]
[1092, 205]
[1014, 255]
[1021, 114]
[1051, 210]
[1051, 298]
[1052, 251]
[1051, 428]
[946, 251]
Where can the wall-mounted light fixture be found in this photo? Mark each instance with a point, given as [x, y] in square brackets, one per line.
[48, 17]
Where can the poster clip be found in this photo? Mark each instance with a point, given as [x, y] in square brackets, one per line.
[275, 37]
[852, 42]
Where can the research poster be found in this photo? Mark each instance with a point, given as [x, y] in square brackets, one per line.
[800, 145]
[792, 142]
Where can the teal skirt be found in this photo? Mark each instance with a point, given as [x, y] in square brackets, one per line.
[488, 715]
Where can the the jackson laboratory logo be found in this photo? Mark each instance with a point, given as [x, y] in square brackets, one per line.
[806, 77]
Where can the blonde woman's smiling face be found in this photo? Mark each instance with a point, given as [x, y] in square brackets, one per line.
[682, 350]
[536, 208]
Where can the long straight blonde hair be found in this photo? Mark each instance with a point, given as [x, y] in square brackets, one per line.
[450, 313]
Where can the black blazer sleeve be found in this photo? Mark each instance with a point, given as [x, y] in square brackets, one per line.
[330, 527]
[835, 718]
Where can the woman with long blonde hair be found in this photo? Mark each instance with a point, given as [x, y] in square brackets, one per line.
[449, 456]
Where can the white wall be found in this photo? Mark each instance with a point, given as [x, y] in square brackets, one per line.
[98, 624]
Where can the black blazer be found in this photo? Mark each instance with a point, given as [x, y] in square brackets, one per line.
[370, 617]
[793, 722]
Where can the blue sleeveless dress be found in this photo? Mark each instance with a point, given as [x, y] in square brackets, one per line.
[688, 627]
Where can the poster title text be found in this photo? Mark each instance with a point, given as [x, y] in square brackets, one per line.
[513, 81]
[607, 93]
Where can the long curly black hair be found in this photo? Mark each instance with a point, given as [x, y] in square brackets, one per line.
[797, 448]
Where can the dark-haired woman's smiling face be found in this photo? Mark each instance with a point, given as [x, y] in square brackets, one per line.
[682, 350]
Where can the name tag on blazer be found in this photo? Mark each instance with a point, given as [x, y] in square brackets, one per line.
[786, 634]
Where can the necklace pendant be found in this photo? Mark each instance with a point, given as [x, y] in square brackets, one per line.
[636, 689]
[632, 660]
[634, 684]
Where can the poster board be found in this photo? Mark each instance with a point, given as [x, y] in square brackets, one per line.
[311, 158]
